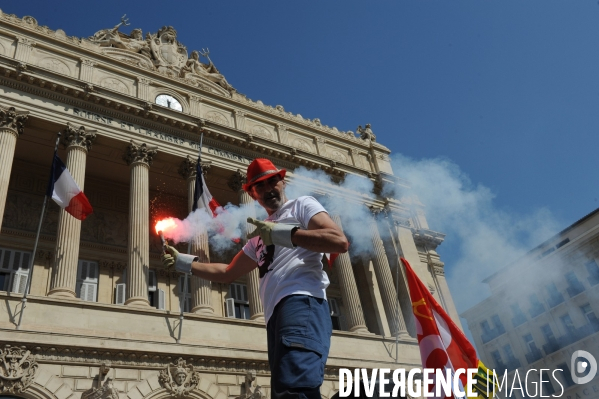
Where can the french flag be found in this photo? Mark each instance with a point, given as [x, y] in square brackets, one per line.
[202, 199]
[331, 259]
[65, 192]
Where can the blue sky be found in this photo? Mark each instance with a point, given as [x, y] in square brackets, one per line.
[504, 92]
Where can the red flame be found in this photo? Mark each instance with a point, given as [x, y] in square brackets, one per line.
[165, 224]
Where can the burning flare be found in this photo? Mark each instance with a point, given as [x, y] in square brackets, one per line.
[165, 225]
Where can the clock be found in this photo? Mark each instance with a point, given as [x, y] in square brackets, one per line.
[169, 102]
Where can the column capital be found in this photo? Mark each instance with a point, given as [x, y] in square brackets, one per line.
[377, 211]
[187, 168]
[78, 137]
[87, 62]
[144, 81]
[237, 180]
[428, 238]
[12, 119]
[139, 153]
[25, 40]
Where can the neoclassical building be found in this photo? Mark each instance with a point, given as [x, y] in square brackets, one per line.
[542, 309]
[102, 316]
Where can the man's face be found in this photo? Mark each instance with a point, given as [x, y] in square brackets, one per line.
[269, 193]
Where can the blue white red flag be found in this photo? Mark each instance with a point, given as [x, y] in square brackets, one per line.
[331, 259]
[65, 192]
[202, 199]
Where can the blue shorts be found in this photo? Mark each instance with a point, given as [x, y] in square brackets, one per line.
[299, 337]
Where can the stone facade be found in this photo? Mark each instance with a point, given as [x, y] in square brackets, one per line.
[542, 309]
[102, 317]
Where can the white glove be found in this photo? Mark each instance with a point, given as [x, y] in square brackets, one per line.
[182, 262]
[273, 233]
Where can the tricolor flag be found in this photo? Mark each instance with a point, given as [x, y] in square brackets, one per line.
[65, 192]
[202, 199]
[442, 344]
[331, 259]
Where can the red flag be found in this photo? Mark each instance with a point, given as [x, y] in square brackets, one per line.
[442, 344]
[331, 259]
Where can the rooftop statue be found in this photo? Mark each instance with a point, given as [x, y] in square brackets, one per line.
[134, 42]
[366, 133]
[193, 66]
[160, 51]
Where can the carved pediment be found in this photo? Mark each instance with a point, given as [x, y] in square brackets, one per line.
[17, 369]
[179, 378]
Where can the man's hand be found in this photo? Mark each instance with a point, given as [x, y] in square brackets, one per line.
[273, 233]
[263, 229]
[169, 256]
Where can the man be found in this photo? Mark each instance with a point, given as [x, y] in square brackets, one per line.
[287, 248]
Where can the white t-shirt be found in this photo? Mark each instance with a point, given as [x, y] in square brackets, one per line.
[289, 271]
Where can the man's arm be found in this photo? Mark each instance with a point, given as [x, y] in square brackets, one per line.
[323, 235]
[223, 273]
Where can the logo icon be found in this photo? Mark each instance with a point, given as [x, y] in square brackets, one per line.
[580, 362]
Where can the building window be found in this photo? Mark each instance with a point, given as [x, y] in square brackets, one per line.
[156, 296]
[547, 387]
[551, 345]
[237, 304]
[536, 307]
[87, 280]
[498, 361]
[588, 313]
[335, 314]
[566, 376]
[512, 362]
[530, 343]
[575, 287]
[486, 327]
[555, 297]
[497, 322]
[519, 317]
[593, 270]
[187, 296]
[567, 323]
[14, 270]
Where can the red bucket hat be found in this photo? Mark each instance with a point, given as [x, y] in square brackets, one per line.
[261, 169]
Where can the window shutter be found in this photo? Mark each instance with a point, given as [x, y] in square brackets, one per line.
[20, 282]
[161, 300]
[16, 260]
[6, 259]
[151, 280]
[92, 271]
[230, 307]
[88, 292]
[25, 261]
[334, 307]
[120, 294]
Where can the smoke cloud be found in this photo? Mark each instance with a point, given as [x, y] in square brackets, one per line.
[481, 237]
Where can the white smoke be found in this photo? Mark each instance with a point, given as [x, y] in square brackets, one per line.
[481, 237]
[224, 230]
[355, 217]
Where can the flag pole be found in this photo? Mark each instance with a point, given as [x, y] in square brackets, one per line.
[182, 297]
[37, 238]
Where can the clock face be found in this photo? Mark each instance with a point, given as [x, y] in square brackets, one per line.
[169, 102]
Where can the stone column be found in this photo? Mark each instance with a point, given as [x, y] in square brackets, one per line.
[139, 157]
[253, 278]
[385, 281]
[11, 127]
[201, 290]
[349, 290]
[78, 142]
[438, 269]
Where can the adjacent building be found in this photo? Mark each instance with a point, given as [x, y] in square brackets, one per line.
[542, 309]
[102, 316]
